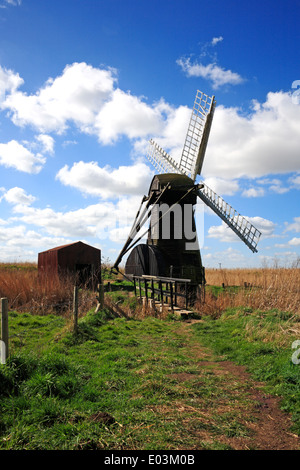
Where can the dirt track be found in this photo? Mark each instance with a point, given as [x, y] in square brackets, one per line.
[269, 426]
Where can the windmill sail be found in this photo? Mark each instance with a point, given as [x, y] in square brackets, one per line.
[197, 135]
[191, 164]
[238, 223]
[161, 160]
[195, 142]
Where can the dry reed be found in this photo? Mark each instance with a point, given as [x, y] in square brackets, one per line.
[26, 291]
[264, 289]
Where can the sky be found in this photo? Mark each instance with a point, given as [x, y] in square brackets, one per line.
[84, 85]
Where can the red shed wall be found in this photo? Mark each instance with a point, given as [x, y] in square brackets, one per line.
[47, 262]
[69, 256]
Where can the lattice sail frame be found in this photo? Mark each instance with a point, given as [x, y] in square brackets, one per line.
[161, 160]
[197, 135]
[191, 164]
[237, 222]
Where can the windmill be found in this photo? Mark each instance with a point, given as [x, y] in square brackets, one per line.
[172, 247]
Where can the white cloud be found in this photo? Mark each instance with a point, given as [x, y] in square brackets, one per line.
[212, 72]
[231, 258]
[225, 234]
[47, 143]
[15, 155]
[74, 96]
[9, 82]
[263, 143]
[18, 196]
[275, 185]
[13, 2]
[128, 115]
[222, 232]
[216, 40]
[106, 182]
[294, 241]
[96, 220]
[253, 192]
[265, 226]
[240, 146]
[17, 243]
[277, 188]
[294, 227]
[87, 97]
[222, 186]
[295, 181]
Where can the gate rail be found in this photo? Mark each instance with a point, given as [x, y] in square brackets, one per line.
[174, 288]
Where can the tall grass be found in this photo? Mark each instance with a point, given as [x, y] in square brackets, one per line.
[264, 289]
[26, 291]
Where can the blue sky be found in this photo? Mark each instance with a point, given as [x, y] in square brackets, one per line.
[84, 84]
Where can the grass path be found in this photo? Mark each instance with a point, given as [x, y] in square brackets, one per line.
[130, 385]
[240, 415]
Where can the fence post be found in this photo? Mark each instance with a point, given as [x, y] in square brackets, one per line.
[134, 284]
[4, 329]
[171, 296]
[152, 289]
[146, 290]
[75, 308]
[161, 293]
[100, 297]
[186, 296]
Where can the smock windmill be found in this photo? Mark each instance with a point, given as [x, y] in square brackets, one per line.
[172, 248]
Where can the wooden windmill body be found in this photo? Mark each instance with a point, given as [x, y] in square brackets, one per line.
[172, 249]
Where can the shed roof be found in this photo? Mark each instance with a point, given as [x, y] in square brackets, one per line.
[67, 245]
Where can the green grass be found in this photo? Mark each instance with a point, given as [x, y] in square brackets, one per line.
[54, 397]
[138, 384]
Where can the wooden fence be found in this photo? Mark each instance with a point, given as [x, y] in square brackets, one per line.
[4, 330]
[4, 341]
[166, 289]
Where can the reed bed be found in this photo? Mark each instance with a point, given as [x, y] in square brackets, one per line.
[26, 291]
[264, 289]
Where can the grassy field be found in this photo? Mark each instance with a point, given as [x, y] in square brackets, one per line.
[139, 382]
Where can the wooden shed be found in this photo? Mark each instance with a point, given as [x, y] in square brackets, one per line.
[78, 259]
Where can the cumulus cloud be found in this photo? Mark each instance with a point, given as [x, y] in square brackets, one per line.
[215, 40]
[253, 192]
[13, 2]
[128, 115]
[252, 146]
[15, 155]
[98, 221]
[18, 196]
[47, 143]
[9, 82]
[275, 185]
[222, 186]
[293, 227]
[294, 241]
[225, 234]
[88, 98]
[106, 182]
[261, 143]
[75, 96]
[230, 257]
[217, 75]
[295, 181]
[210, 70]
